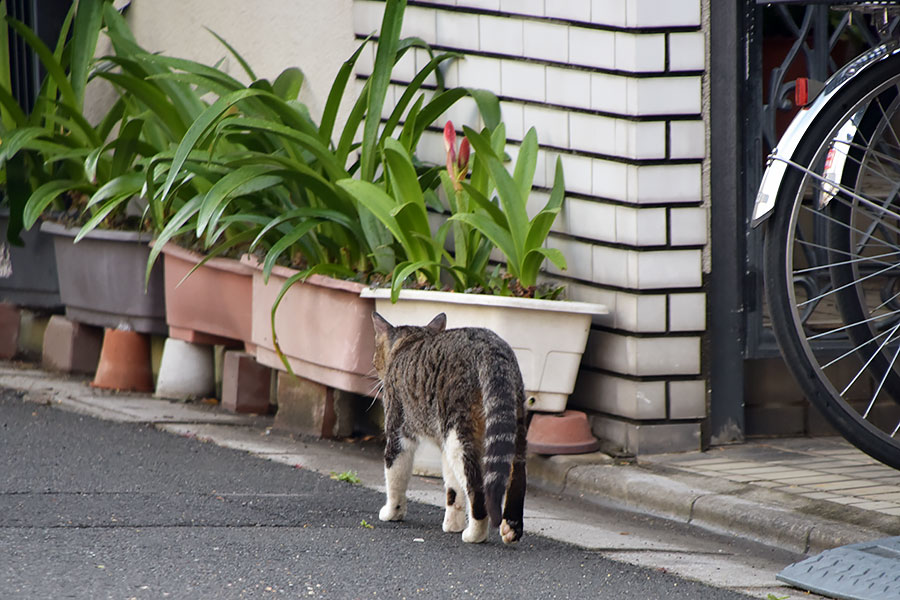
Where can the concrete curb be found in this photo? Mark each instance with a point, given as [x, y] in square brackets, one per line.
[774, 518]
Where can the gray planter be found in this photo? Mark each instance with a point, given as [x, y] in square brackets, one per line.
[101, 279]
[32, 282]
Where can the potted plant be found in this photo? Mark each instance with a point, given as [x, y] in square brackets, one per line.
[278, 189]
[548, 335]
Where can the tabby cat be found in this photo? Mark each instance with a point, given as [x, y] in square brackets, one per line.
[461, 388]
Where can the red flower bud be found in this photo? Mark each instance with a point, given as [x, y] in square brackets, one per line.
[463, 160]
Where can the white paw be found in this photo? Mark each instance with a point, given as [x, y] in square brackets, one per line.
[392, 512]
[476, 532]
[507, 534]
[454, 519]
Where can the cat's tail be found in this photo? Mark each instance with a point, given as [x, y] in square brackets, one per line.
[501, 393]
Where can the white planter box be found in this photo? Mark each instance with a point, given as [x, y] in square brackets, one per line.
[548, 336]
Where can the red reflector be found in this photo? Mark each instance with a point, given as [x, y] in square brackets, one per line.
[801, 91]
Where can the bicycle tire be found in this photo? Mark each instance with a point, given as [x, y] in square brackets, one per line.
[802, 272]
[848, 217]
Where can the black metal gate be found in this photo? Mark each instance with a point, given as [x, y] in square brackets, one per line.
[757, 53]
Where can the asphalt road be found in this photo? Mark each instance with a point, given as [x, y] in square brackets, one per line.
[93, 509]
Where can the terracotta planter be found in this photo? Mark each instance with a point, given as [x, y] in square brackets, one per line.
[211, 306]
[548, 336]
[124, 362]
[566, 433]
[30, 279]
[101, 279]
[324, 328]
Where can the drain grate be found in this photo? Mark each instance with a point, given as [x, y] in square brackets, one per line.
[865, 571]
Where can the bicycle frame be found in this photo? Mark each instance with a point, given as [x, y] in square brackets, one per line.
[783, 153]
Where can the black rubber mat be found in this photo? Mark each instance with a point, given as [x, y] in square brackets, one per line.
[866, 571]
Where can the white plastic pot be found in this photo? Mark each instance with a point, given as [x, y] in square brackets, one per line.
[185, 371]
[548, 336]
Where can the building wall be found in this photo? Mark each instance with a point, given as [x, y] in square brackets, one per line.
[614, 88]
[314, 35]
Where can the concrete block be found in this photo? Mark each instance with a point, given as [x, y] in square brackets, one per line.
[310, 408]
[245, 384]
[9, 330]
[70, 346]
[31, 333]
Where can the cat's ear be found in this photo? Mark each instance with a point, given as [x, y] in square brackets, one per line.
[380, 323]
[438, 324]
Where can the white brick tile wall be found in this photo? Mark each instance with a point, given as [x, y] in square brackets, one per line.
[522, 80]
[687, 139]
[640, 226]
[463, 112]
[638, 52]
[457, 30]
[524, 7]
[618, 396]
[593, 133]
[592, 47]
[419, 22]
[479, 72]
[578, 257]
[580, 292]
[687, 51]
[668, 269]
[610, 179]
[512, 114]
[405, 69]
[450, 70]
[431, 148]
[687, 312]
[551, 124]
[422, 60]
[688, 226]
[640, 313]
[482, 4]
[664, 96]
[609, 93]
[665, 183]
[610, 266]
[576, 171]
[609, 12]
[573, 10]
[367, 17]
[597, 273]
[546, 41]
[501, 35]
[589, 219]
[640, 139]
[568, 87]
[645, 356]
[662, 13]
[687, 399]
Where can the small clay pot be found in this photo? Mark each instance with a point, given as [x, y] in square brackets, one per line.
[561, 433]
[124, 362]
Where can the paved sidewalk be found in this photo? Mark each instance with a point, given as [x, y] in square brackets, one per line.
[801, 495]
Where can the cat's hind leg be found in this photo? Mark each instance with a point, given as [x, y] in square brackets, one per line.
[398, 462]
[511, 526]
[465, 460]
[455, 509]
[514, 508]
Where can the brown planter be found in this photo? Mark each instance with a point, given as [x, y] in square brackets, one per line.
[211, 306]
[101, 279]
[324, 328]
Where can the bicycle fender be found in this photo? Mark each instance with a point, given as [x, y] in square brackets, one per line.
[783, 153]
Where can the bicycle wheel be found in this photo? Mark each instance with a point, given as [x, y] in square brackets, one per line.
[832, 262]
